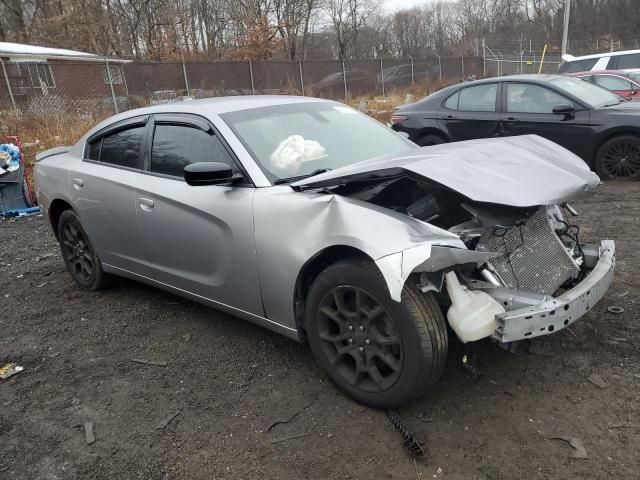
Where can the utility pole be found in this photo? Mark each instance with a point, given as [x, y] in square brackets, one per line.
[565, 30]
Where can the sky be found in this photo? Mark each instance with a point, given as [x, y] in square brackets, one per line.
[394, 5]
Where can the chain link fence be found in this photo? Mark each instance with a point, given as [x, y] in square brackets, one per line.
[497, 63]
[99, 89]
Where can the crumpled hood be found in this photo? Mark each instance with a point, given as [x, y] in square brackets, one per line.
[522, 171]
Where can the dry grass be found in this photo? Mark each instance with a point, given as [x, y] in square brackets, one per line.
[39, 133]
[381, 108]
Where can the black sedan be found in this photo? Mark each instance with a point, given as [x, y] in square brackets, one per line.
[596, 124]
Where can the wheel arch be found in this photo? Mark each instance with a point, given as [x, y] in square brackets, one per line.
[433, 131]
[608, 135]
[310, 271]
[55, 210]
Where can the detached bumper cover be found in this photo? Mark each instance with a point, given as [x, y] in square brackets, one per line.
[557, 313]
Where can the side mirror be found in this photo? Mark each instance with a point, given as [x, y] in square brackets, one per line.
[207, 173]
[564, 108]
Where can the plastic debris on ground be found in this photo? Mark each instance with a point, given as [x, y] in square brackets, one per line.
[579, 450]
[9, 370]
[597, 380]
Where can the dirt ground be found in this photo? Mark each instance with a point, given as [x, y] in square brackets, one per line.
[206, 413]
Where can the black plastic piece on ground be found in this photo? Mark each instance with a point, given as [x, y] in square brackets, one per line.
[410, 442]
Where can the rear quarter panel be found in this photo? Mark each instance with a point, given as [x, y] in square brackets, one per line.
[51, 176]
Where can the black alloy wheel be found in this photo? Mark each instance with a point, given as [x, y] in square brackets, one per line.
[359, 338]
[619, 158]
[78, 253]
[379, 351]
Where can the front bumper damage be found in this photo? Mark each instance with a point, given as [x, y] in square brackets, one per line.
[530, 315]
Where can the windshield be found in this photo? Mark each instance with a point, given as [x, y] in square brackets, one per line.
[586, 92]
[297, 140]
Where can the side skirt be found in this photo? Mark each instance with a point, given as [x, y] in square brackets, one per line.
[289, 332]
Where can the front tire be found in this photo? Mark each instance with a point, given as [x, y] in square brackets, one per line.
[78, 253]
[380, 352]
[619, 158]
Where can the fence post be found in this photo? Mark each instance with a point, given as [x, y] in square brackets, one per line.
[126, 87]
[462, 64]
[484, 60]
[253, 88]
[301, 79]
[113, 93]
[186, 81]
[439, 66]
[382, 77]
[413, 82]
[344, 79]
[6, 79]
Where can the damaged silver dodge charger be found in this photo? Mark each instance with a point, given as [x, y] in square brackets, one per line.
[315, 221]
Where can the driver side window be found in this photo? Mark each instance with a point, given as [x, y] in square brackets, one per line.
[528, 98]
[176, 146]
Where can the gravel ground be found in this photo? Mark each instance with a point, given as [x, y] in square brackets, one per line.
[209, 408]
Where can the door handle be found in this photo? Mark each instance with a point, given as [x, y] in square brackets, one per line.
[146, 204]
[511, 119]
[451, 117]
[78, 183]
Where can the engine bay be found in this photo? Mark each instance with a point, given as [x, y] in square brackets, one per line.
[540, 250]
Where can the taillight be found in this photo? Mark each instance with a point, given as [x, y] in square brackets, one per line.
[398, 118]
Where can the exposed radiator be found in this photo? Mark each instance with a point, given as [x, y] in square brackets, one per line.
[534, 260]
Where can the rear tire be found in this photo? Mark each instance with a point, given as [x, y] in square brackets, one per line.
[378, 351]
[78, 253]
[619, 158]
[431, 139]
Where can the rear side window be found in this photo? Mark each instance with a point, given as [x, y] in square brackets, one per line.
[611, 82]
[631, 60]
[577, 65]
[122, 148]
[176, 146]
[452, 101]
[93, 150]
[481, 98]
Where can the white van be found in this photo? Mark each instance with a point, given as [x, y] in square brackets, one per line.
[628, 60]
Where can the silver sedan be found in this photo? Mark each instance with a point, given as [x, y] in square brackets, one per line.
[313, 220]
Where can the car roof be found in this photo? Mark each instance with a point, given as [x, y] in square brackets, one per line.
[622, 73]
[600, 55]
[219, 105]
[526, 77]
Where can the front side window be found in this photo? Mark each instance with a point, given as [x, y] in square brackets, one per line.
[585, 92]
[176, 146]
[481, 98]
[122, 148]
[297, 139]
[611, 82]
[528, 98]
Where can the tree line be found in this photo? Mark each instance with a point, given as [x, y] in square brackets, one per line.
[315, 29]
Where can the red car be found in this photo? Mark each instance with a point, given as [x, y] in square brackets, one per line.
[622, 83]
